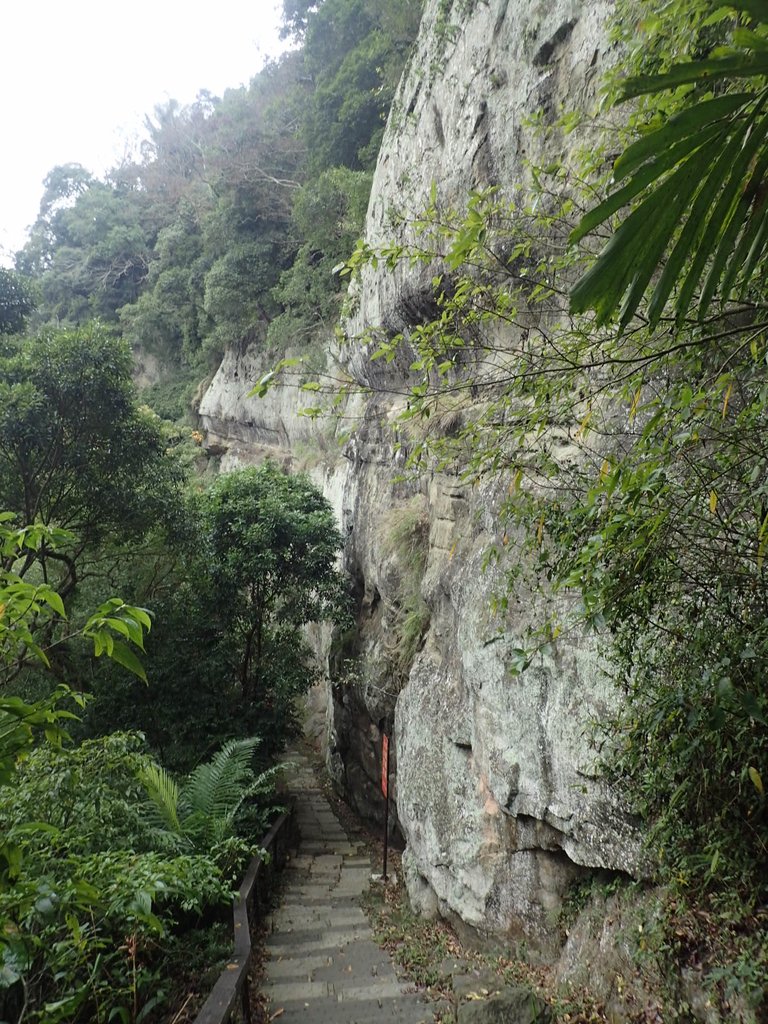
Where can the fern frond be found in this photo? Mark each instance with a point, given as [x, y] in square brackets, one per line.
[264, 783]
[214, 791]
[163, 794]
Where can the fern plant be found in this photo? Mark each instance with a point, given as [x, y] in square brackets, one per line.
[162, 809]
[200, 814]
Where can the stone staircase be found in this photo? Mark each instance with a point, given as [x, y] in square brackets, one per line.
[323, 965]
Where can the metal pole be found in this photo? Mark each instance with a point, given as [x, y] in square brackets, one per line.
[386, 810]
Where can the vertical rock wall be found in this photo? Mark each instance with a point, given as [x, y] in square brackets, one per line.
[496, 796]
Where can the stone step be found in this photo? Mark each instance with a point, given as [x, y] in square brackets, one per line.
[283, 992]
[285, 944]
[291, 918]
[323, 966]
[405, 1010]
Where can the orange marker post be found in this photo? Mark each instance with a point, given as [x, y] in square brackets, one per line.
[385, 791]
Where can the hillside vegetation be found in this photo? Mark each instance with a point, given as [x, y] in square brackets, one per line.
[136, 732]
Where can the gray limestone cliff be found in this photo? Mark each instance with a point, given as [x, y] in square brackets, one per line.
[497, 797]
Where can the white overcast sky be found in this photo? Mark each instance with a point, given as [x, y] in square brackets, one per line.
[77, 78]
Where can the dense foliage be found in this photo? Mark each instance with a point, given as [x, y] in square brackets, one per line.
[273, 545]
[109, 867]
[256, 565]
[632, 433]
[75, 451]
[225, 229]
[16, 302]
[102, 900]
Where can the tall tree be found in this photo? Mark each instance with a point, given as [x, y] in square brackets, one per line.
[16, 301]
[354, 52]
[75, 452]
[273, 545]
[89, 248]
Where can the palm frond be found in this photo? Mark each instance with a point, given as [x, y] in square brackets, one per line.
[695, 189]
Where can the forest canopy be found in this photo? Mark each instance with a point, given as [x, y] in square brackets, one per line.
[203, 240]
[136, 731]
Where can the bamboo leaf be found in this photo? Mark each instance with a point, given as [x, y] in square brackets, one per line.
[632, 412]
[726, 399]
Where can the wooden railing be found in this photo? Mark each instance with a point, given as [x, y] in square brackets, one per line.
[231, 990]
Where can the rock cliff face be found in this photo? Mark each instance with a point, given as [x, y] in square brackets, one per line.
[496, 796]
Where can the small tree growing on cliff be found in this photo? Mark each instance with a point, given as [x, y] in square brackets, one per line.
[272, 555]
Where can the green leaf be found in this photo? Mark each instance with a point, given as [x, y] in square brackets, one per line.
[666, 213]
[686, 123]
[698, 71]
[751, 707]
[709, 230]
[141, 615]
[124, 656]
[118, 625]
[263, 386]
[749, 40]
[35, 828]
[53, 600]
[163, 791]
[752, 227]
[730, 213]
[757, 9]
[134, 632]
[757, 249]
[631, 256]
[693, 234]
[641, 180]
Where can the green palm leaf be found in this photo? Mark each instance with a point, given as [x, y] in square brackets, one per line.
[697, 72]
[698, 185]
